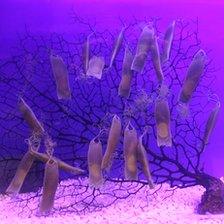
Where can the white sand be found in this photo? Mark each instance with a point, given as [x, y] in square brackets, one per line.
[141, 207]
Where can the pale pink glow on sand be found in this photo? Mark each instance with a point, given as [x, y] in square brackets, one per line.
[143, 208]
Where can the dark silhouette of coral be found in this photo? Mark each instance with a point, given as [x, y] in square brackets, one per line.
[72, 124]
[212, 199]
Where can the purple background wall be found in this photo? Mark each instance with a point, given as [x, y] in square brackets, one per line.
[51, 15]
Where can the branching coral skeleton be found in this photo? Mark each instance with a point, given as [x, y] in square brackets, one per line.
[75, 122]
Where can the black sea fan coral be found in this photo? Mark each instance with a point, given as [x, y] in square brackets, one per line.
[85, 109]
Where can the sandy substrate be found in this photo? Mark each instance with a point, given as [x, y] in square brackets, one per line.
[140, 207]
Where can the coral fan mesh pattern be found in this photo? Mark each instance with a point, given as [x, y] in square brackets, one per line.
[72, 124]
